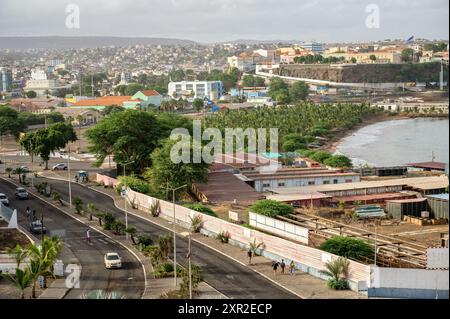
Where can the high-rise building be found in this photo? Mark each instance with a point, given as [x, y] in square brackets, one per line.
[314, 47]
[5, 80]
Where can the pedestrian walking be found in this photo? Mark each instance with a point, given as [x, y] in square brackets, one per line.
[28, 212]
[275, 267]
[88, 235]
[292, 268]
[283, 266]
[34, 215]
[249, 255]
[76, 178]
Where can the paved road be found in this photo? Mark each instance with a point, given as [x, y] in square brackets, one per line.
[129, 280]
[229, 277]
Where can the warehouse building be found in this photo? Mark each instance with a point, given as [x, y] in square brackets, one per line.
[432, 206]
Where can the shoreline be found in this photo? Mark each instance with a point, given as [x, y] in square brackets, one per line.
[332, 145]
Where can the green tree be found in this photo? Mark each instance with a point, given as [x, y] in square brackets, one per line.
[31, 94]
[407, 55]
[339, 161]
[133, 88]
[130, 136]
[198, 104]
[338, 271]
[42, 258]
[299, 91]
[348, 247]
[47, 140]
[166, 174]
[373, 57]
[320, 156]
[10, 122]
[271, 208]
[248, 80]
[22, 279]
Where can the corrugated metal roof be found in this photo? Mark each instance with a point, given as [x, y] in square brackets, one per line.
[440, 196]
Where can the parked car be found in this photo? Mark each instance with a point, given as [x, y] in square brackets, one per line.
[113, 260]
[21, 193]
[4, 199]
[60, 167]
[36, 228]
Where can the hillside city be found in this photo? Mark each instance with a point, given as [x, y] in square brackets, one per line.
[94, 206]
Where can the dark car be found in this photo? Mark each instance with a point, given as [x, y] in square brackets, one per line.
[36, 227]
[21, 193]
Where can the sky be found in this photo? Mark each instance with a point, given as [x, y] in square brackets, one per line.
[209, 21]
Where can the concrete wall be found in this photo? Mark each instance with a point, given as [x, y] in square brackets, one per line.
[408, 283]
[307, 259]
[280, 228]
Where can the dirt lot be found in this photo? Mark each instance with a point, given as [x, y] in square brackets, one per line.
[9, 238]
[426, 235]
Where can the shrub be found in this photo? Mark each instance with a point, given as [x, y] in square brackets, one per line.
[348, 247]
[118, 227]
[196, 278]
[224, 237]
[136, 184]
[201, 209]
[155, 208]
[78, 205]
[145, 240]
[196, 223]
[337, 270]
[109, 220]
[271, 208]
[340, 284]
[320, 156]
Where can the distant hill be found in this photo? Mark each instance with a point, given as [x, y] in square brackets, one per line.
[61, 42]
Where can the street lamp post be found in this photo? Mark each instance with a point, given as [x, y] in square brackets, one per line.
[174, 235]
[125, 193]
[69, 177]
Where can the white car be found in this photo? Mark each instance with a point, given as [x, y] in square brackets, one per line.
[113, 260]
[60, 166]
[4, 199]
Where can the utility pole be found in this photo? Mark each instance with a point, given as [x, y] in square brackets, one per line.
[32, 164]
[42, 227]
[81, 78]
[441, 76]
[190, 266]
[175, 235]
[69, 177]
[92, 84]
[125, 193]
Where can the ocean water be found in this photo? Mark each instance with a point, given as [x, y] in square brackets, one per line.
[398, 142]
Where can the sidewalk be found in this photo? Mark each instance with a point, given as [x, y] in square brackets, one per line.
[302, 284]
[154, 288]
[56, 290]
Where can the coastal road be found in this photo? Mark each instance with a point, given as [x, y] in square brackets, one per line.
[129, 280]
[227, 276]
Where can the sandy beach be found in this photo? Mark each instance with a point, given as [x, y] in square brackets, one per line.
[338, 136]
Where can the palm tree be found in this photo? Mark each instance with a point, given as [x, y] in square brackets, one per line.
[21, 173]
[18, 253]
[337, 269]
[21, 280]
[42, 258]
[132, 232]
[165, 245]
[256, 247]
[101, 294]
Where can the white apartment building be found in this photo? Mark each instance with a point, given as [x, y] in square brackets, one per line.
[212, 90]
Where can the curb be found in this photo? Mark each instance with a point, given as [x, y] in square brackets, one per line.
[100, 231]
[206, 245]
